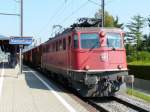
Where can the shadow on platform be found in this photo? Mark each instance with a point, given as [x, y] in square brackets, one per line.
[33, 82]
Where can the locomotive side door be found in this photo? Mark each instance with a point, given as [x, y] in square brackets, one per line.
[43, 57]
[69, 45]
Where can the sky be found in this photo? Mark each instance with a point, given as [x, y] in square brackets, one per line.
[41, 15]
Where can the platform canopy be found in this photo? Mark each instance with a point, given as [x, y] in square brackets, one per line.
[2, 37]
[5, 46]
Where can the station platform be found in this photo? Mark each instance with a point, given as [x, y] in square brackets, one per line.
[31, 92]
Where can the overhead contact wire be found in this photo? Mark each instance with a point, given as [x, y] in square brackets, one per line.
[74, 12]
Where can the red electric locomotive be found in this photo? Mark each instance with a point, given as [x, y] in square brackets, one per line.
[91, 59]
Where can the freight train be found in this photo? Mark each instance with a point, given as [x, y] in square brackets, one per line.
[92, 60]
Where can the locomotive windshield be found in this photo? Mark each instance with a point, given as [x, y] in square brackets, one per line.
[89, 41]
[114, 40]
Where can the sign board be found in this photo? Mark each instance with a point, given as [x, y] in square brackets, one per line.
[20, 40]
[129, 79]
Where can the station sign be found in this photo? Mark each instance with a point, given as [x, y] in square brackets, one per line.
[21, 40]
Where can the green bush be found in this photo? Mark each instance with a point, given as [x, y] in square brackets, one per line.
[139, 64]
[143, 56]
[131, 58]
[140, 71]
[139, 56]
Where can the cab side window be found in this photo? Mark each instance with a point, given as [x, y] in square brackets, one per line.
[75, 41]
[69, 42]
[57, 44]
[64, 44]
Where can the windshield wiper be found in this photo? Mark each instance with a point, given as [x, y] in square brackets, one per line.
[93, 46]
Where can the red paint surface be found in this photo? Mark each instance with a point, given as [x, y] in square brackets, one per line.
[102, 58]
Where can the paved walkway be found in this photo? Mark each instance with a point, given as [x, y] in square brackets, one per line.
[30, 92]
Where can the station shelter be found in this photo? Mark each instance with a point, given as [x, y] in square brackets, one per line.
[12, 50]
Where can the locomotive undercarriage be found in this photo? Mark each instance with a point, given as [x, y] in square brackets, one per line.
[91, 84]
[98, 84]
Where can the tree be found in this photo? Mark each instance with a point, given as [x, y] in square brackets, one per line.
[110, 21]
[148, 20]
[148, 36]
[146, 42]
[135, 29]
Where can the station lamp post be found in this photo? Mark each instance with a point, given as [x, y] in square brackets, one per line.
[21, 34]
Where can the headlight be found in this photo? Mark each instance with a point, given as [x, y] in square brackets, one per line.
[87, 67]
[120, 67]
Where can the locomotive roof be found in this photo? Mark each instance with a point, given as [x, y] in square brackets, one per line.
[90, 29]
[96, 29]
[83, 29]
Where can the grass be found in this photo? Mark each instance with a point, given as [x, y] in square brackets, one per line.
[138, 94]
[145, 63]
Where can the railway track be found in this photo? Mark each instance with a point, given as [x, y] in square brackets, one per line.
[114, 104]
[119, 103]
[131, 105]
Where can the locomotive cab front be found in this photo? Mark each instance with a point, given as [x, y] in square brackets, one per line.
[99, 60]
[99, 51]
